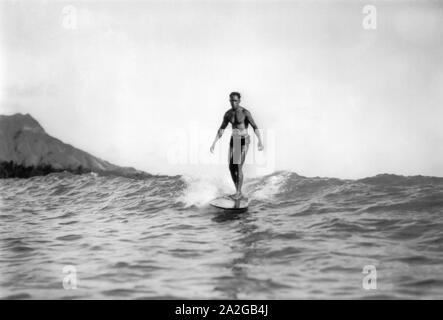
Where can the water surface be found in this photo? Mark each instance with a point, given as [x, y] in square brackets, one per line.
[158, 238]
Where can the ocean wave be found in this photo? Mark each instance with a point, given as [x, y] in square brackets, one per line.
[372, 194]
[311, 230]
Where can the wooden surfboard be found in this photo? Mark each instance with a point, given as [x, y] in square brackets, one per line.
[227, 203]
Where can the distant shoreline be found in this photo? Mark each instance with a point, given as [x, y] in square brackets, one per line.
[10, 169]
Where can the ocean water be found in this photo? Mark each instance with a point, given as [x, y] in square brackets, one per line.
[65, 236]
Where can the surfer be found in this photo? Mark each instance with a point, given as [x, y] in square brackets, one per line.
[239, 118]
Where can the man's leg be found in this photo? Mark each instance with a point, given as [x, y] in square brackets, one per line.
[233, 169]
[240, 169]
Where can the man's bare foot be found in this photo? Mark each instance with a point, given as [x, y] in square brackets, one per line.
[237, 196]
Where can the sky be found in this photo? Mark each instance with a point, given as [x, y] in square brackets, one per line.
[146, 83]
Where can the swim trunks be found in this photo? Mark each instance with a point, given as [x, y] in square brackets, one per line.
[237, 144]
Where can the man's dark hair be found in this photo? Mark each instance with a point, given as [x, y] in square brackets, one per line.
[235, 94]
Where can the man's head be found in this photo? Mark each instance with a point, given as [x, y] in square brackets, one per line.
[234, 99]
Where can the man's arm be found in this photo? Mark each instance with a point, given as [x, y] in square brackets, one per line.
[220, 130]
[256, 129]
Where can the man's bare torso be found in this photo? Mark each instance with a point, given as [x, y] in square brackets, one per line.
[238, 119]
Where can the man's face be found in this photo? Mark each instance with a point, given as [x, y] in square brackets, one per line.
[235, 101]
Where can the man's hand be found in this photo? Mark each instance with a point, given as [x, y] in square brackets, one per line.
[260, 146]
[212, 148]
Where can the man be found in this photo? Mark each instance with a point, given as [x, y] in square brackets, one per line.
[239, 118]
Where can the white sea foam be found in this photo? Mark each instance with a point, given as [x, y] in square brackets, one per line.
[200, 189]
[267, 187]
